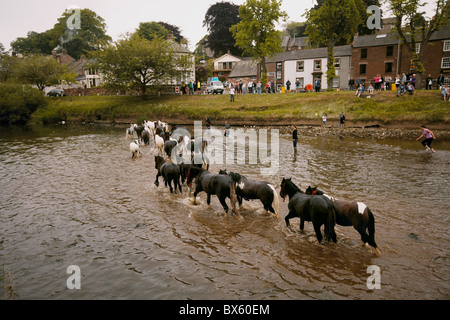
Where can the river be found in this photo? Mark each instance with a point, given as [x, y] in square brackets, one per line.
[71, 195]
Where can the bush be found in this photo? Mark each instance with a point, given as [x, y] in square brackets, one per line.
[18, 102]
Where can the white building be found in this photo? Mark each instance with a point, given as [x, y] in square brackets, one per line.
[308, 65]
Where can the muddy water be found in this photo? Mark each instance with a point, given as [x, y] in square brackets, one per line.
[72, 196]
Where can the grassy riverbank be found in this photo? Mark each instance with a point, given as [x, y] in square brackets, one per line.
[384, 108]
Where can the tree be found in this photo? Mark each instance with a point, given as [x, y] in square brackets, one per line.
[334, 21]
[174, 31]
[89, 37]
[77, 42]
[136, 61]
[33, 43]
[414, 28]
[152, 30]
[18, 102]
[218, 20]
[256, 33]
[39, 70]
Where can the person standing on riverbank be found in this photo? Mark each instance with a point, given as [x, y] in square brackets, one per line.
[232, 93]
[227, 129]
[429, 137]
[341, 120]
[294, 136]
[324, 120]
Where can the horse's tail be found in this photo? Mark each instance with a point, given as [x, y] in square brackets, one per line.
[233, 198]
[276, 201]
[371, 228]
[331, 223]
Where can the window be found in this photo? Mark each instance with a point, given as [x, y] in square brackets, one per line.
[221, 74]
[389, 51]
[300, 66]
[279, 65]
[417, 48]
[317, 65]
[336, 82]
[364, 53]
[447, 45]
[388, 67]
[445, 62]
[337, 63]
[362, 69]
[279, 75]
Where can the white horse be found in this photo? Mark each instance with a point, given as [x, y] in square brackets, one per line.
[135, 150]
[159, 144]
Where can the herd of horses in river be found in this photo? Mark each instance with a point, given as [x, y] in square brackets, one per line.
[313, 205]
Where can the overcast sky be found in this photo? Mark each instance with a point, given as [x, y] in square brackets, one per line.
[17, 17]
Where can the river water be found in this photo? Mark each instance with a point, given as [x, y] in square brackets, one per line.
[71, 195]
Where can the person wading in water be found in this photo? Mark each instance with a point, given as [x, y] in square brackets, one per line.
[429, 137]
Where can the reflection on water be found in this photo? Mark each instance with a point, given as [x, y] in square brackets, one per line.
[72, 196]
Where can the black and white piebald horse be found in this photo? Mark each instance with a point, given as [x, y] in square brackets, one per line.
[317, 209]
[356, 214]
[250, 189]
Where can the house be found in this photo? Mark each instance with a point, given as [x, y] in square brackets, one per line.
[308, 65]
[244, 70]
[383, 53]
[224, 65]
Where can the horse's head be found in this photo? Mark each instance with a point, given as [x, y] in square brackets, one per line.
[313, 191]
[288, 188]
[158, 161]
[283, 193]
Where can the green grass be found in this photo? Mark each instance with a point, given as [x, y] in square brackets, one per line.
[383, 107]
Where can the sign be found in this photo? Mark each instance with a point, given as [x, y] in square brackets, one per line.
[177, 89]
[215, 79]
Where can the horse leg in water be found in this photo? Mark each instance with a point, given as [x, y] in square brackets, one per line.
[292, 214]
[223, 203]
[318, 232]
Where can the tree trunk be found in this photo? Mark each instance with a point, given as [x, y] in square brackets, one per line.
[331, 71]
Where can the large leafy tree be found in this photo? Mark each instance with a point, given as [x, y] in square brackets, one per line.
[151, 30]
[33, 43]
[77, 42]
[136, 61]
[174, 31]
[39, 70]
[256, 34]
[218, 20]
[334, 21]
[90, 36]
[414, 28]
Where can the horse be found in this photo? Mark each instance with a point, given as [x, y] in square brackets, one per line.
[139, 129]
[355, 214]
[214, 184]
[170, 172]
[135, 149]
[145, 135]
[129, 132]
[250, 189]
[317, 209]
[159, 144]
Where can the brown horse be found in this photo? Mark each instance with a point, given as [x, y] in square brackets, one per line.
[355, 214]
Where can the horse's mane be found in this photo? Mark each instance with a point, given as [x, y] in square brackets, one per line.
[293, 185]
